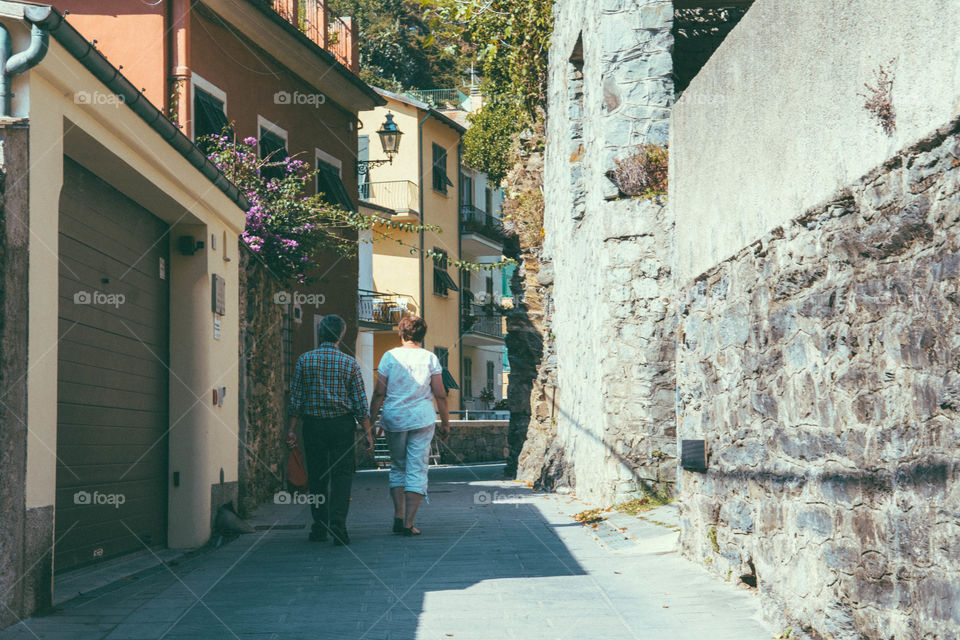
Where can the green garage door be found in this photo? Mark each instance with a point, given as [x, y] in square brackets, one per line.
[112, 382]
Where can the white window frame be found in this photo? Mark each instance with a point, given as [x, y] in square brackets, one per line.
[198, 82]
[322, 156]
[263, 123]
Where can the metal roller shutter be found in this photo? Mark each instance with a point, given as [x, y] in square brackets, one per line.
[112, 383]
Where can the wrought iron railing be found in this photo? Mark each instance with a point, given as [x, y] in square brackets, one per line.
[482, 319]
[399, 195]
[474, 220]
[440, 98]
[480, 414]
[317, 22]
[383, 308]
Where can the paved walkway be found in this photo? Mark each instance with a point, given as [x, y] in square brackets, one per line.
[496, 561]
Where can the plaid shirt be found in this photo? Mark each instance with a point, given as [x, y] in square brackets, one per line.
[326, 384]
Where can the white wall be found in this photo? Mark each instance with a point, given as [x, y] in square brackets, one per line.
[774, 125]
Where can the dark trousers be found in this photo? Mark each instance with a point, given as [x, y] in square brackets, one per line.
[328, 445]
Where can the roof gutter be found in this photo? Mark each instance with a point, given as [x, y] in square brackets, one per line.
[50, 20]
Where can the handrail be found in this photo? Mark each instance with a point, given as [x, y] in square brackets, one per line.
[481, 319]
[474, 220]
[384, 308]
[317, 22]
[440, 98]
[398, 195]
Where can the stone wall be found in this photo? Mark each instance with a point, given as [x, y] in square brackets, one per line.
[604, 411]
[470, 441]
[26, 533]
[775, 121]
[820, 363]
[476, 441]
[263, 412]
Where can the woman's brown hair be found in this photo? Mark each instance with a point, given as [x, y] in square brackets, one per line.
[412, 328]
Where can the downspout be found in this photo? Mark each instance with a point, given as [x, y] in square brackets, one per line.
[460, 271]
[423, 300]
[180, 75]
[12, 65]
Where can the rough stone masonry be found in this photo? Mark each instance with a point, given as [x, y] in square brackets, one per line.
[608, 410]
[822, 365]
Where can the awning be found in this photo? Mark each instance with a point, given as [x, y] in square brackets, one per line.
[331, 187]
[447, 280]
[448, 381]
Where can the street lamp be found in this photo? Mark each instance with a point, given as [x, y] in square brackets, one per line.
[390, 135]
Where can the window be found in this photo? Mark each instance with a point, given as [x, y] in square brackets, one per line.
[442, 282]
[363, 155]
[490, 375]
[466, 190]
[443, 355]
[488, 201]
[331, 187]
[490, 287]
[273, 148]
[575, 107]
[466, 294]
[467, 378]
[209, 115]
[440, 179]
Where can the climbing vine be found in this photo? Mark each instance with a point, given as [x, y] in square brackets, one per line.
[287, 227]
[510, 39]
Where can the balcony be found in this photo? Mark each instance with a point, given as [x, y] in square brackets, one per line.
[317, 22]
[481, 324]
[383, 311]
[486, 229]
[400, 196]
[441, 99]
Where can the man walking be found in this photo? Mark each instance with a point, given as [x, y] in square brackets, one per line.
[327, 394]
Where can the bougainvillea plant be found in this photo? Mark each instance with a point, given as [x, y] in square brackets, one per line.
[288, 227]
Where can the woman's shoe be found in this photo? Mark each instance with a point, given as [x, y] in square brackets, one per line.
[398, 525]
[411, 531]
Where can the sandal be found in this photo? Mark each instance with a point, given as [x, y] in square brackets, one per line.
[398, 525]
[411, 531]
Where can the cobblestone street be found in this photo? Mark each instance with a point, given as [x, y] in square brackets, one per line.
[495, 561]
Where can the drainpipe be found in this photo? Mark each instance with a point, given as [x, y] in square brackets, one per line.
[12, 65]
[180, 76]
[423, 300]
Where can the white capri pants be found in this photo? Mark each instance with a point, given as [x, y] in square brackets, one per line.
[409, 458]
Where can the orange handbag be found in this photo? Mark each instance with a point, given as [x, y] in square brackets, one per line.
[296, 473]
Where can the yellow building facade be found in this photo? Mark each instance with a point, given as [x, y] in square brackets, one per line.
[420, 186]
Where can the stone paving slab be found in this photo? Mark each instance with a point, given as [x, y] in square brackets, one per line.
[496, 560]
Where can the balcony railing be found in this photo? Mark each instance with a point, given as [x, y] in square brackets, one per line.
[481, 319]
[473, 220]
[383, 308]
[440, 98]
[399, 195]
[317, 22]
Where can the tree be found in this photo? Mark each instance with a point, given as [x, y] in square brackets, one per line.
[510, 39]
[398, 51]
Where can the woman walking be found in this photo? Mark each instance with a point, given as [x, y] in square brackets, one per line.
[409, 380]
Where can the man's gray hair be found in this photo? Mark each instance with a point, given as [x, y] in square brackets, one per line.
[331, 328]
